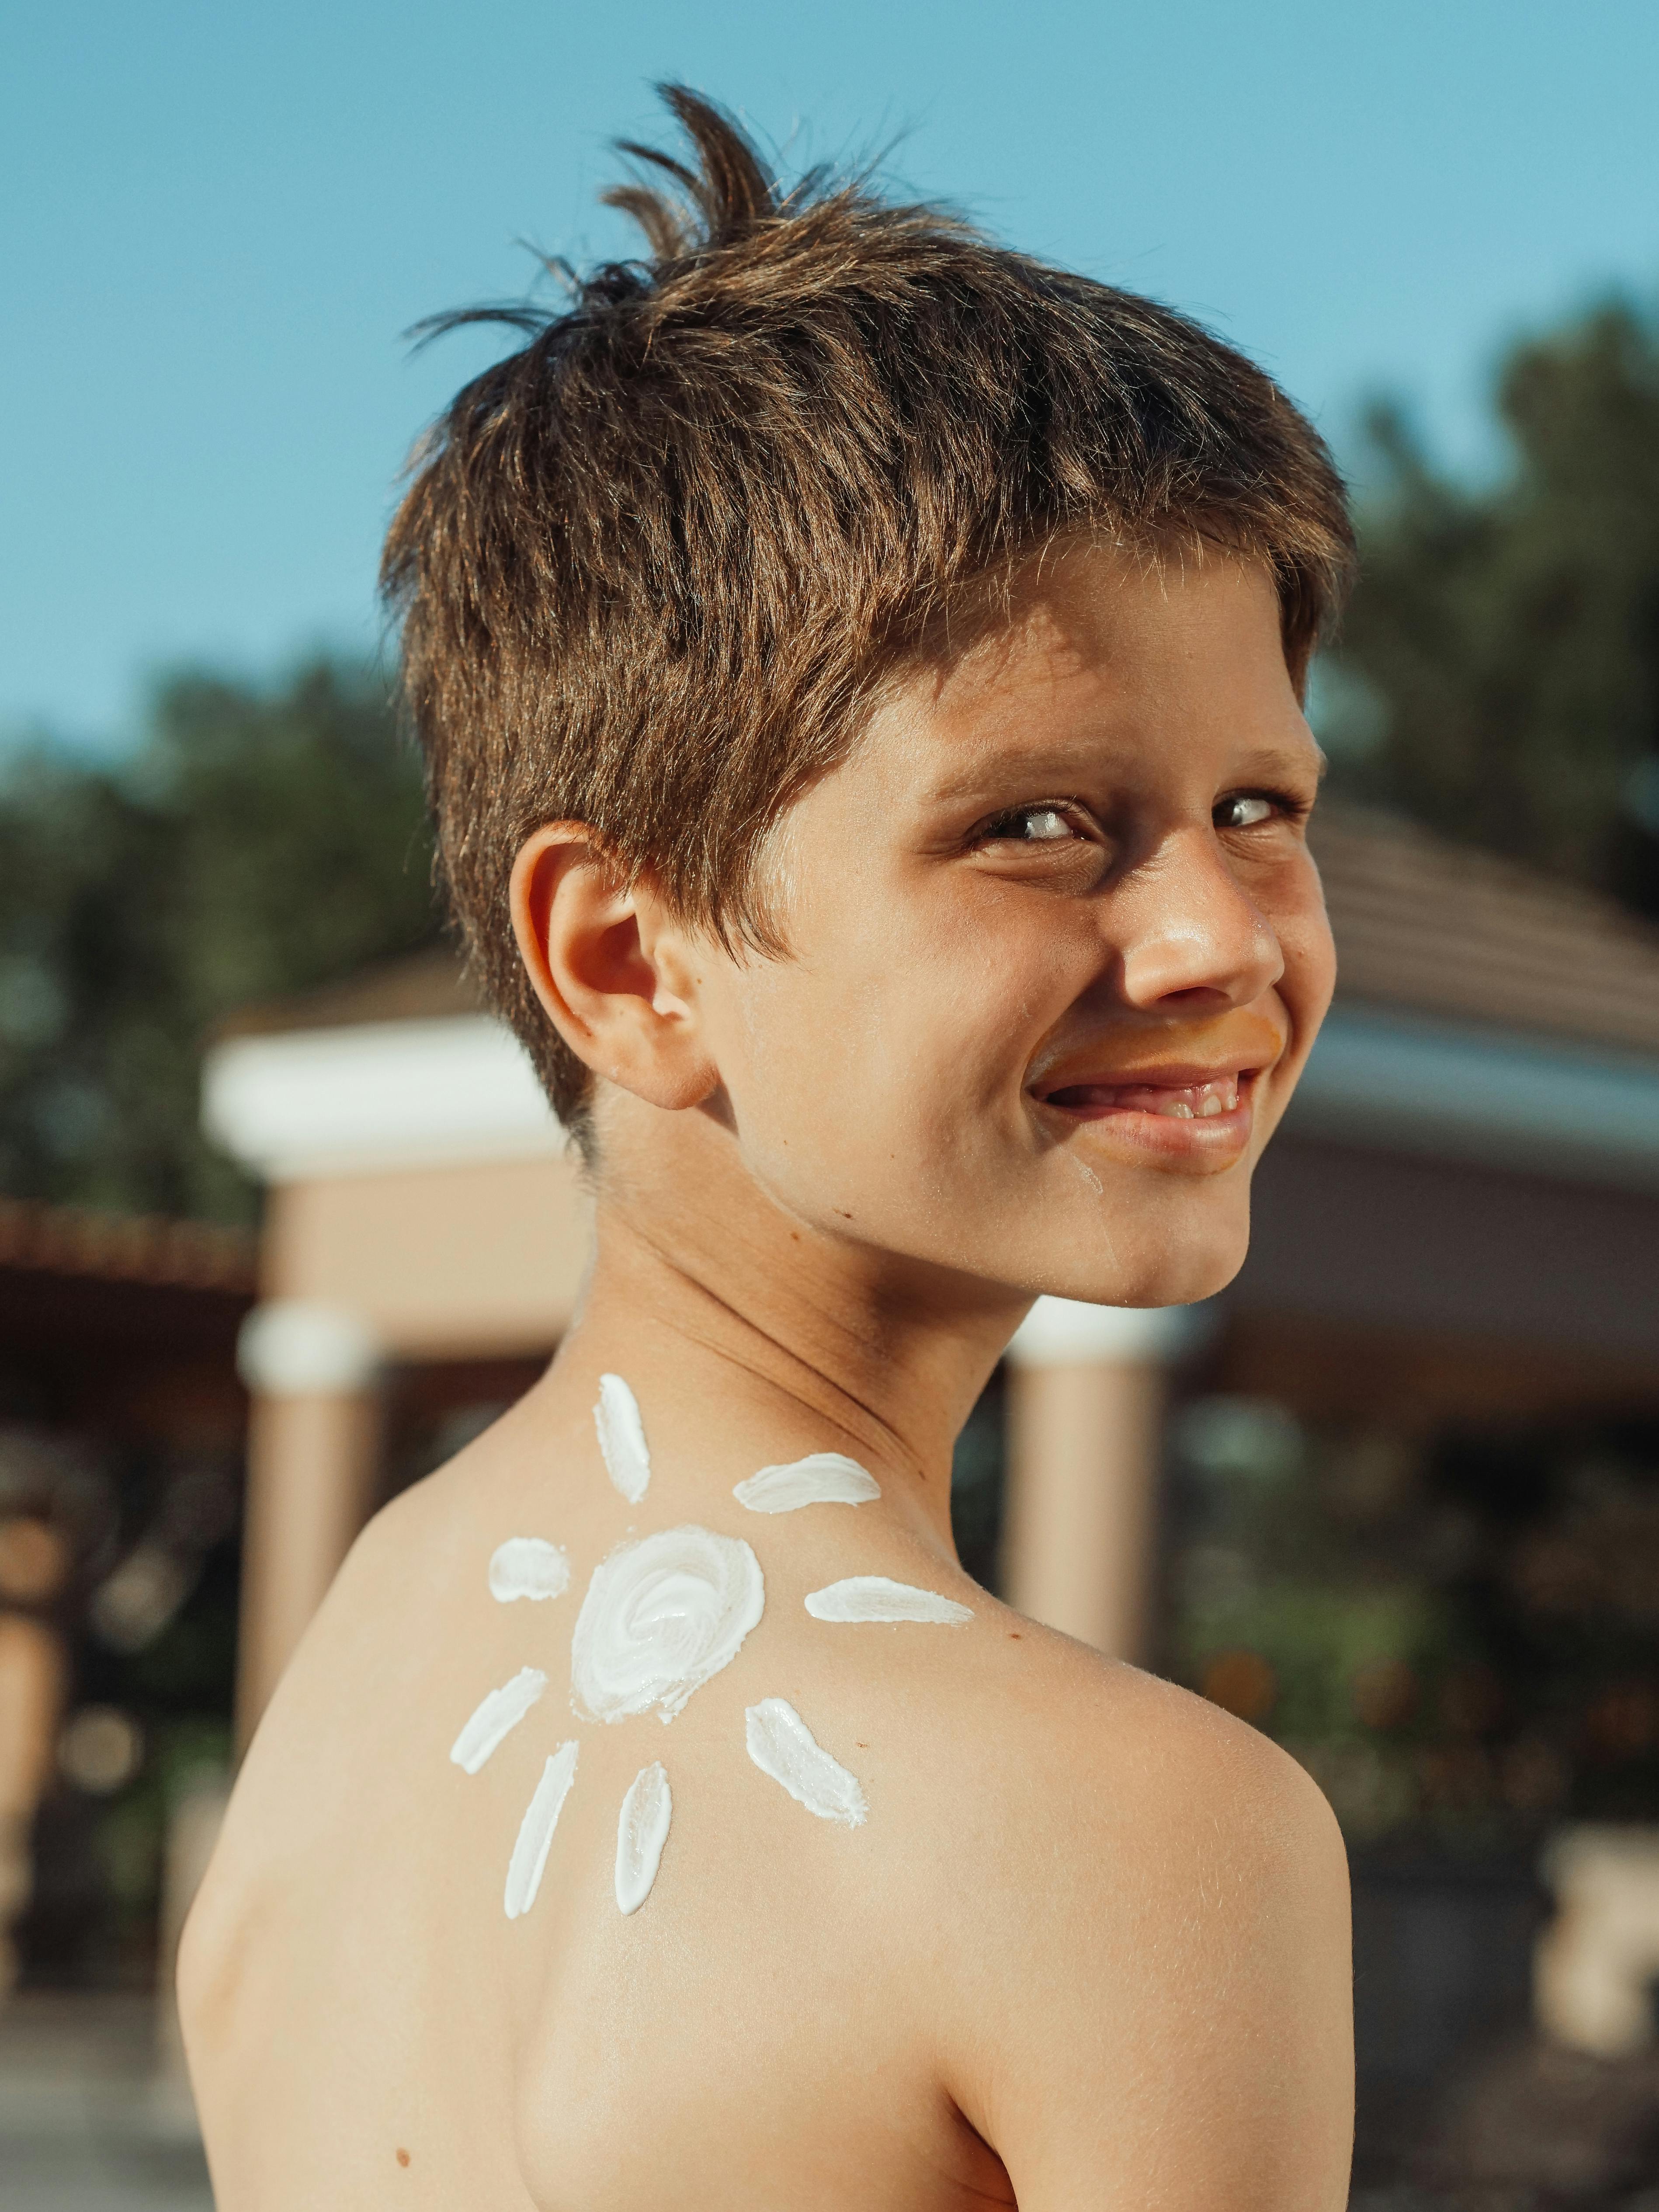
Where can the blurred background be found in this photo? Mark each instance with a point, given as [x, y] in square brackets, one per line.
[283, 1221]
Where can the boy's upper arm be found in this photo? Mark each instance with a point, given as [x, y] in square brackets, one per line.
[1165, 2016]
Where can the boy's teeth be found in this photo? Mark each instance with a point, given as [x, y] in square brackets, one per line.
[1196, 1101]
[1190, 1102]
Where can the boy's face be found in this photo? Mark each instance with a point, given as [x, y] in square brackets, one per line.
[1058, 947]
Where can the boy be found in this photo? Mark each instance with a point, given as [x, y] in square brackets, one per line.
[858, 672]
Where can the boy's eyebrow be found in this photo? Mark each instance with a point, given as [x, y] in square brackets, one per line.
[989, 778]
[1278, 759]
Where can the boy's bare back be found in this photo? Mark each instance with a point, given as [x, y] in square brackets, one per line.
[1029, 1941]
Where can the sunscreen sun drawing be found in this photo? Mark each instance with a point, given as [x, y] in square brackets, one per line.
[662, 1614]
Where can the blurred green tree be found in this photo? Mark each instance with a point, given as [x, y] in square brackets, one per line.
[259, 841]
[1498, 674]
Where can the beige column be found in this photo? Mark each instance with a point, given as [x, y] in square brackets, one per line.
[314, 1448]
[1085, 1410]
[33, 1679]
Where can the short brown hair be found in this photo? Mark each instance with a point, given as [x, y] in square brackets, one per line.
[650, 567]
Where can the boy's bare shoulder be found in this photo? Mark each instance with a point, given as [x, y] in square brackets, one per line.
[1113, 1756]
[1151, 1894]
[1084, 1814]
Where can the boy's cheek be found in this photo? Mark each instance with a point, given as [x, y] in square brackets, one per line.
[876, 1094]
[1309, 968]
[913, 1068]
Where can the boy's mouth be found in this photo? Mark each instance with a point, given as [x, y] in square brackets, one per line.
[1178, 1101]
[1184, 1098]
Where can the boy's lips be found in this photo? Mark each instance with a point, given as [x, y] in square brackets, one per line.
[1201, 1123]
[1196, 1106]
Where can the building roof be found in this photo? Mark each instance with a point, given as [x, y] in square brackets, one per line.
[426, 986]
[84, 1295]
[1440, 929]
[125, 1247]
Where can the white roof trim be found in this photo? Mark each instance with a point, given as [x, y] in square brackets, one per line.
[1411, 1084]
[376, 1096]
[1066, 1332]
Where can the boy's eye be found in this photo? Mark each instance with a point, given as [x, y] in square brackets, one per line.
[1245, 811]
[1030, 825]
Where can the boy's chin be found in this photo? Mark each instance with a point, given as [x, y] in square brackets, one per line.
[1178, 1272]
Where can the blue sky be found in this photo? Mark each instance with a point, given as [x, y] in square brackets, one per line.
[216, 220]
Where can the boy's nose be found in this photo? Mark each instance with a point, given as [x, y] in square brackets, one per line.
[1196, 930]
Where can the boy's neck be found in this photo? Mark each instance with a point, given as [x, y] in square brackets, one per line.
[701, 1277]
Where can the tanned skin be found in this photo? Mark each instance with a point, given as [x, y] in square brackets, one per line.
[1090, 1952]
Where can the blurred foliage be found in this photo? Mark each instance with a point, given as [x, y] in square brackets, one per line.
[1497, 676]
[258, 842]
[153, 1651]
[1458, 1635]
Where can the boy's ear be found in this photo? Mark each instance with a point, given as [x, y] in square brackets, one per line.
[611, 966]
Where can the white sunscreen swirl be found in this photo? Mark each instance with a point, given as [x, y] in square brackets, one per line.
[660, 1617]
[781, 1745]
[622, 1437]
[527, 1567]
[877, 1598]
[820, 1479]
[641, 1832]
[540, 1817]
[498, 1715]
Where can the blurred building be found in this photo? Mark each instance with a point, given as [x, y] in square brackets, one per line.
[121, 1434]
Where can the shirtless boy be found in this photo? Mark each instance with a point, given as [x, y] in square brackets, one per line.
[858, 672]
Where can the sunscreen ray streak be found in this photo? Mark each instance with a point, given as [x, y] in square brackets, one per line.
[878, 1598]
[527, 1567]
[622, 1438]
[642, 1831]
[498, 1713]
[820, 1479]
[524, 1872]
[781, 1745]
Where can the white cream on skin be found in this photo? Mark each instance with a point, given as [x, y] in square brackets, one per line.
[527, 1567]
[820, 1479]
[622, 1437]
[660, 1617]
[498, 1716]
[781, 1745]
[877, 1598]
[540, 1817]
[641, 1832]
